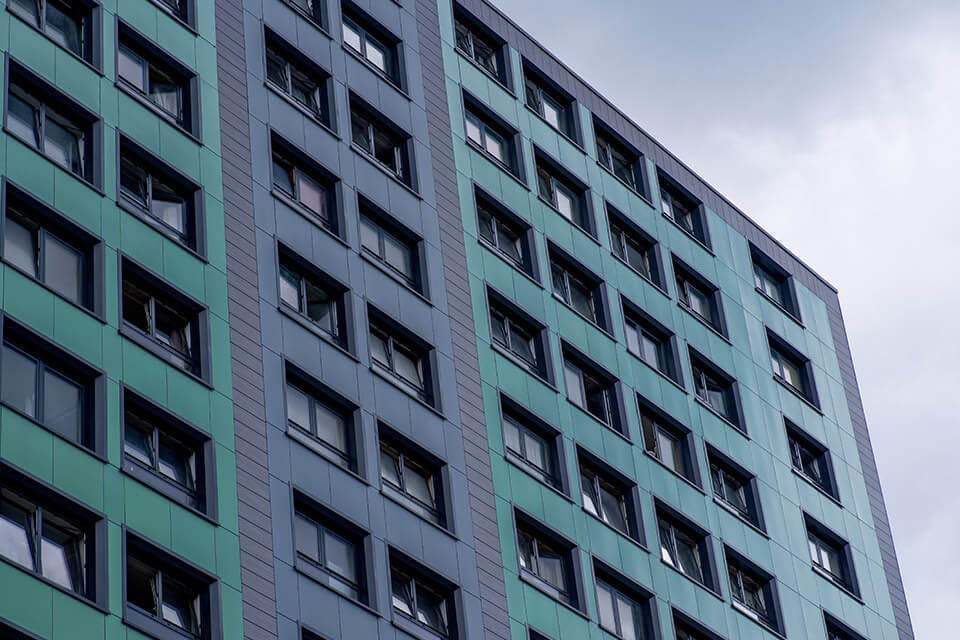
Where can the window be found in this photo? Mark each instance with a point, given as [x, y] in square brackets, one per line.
[774, 283]
[165, 322]
[716, 390]
[405, 359]
[167, 455]
[531, 444]
[792, 369]
[43, 118]
[650, 341]
[159, 195]
[479, 45]
[579, 290]
[504, 234]
[734, 488]
[753, 591]
[68, 24]
[297, 78]
[563, 194]
[683, 209]
[305, 183]
[49, 386]
[592, 390]
[831, 555]
[549, 102]
[421, 598]
[157, 78]
[164, 593]
[623, 609]
[633, 247]
[411, 475]
[609, 496]
[50, 249]
[836, 630]
[546, 561]
[371, 43]
[313, 296]
[48, 536]
[492, 137]
[619, 158]
[667, 441]
[319, 419]
[685, 547]
[328, 550]
[312, 9]
[383, 142]
[811, 460]
[699, 296]
[516, 334]
[390, 245]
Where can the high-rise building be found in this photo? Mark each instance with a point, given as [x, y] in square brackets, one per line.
[359, 319]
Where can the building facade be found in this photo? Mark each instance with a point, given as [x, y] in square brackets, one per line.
[337, 319]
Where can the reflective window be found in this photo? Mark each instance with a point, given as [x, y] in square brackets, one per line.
[533, 448]
[618, 612]
[506, 237]
[297, 80]
[292, 178]
[389, 248]
[169, 323]
[155, 78]
[387, 147]
[547, 563]
[480, 48]
[372, 47]
[413, 478]
[336, 553]
[319, 301]
[65, 139]
[419, 600]
[165, 595]
[42, 253]
[667, 444]
[320, 419]
[400, 357]
[604, 498]
[66, 23]
[166, 202]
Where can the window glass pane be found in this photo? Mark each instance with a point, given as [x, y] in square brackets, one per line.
[62, 410]
[431, 608]
[688, 556]
[298, 408]
[60, 555]
[19, 379]
[551, 566]
[22, 119]
[63, 28]
[379, 351]
[331, 427]
[552, 112]
[613, 508]
[169, 206]
[571, 376]
[419, 482]
[649, 350]
[398, 255]
[277, 69]
[26, 9]
[20, 244]
[526, 556]
[130, 68]
[165, 92]
[369, 235]
[407, 366]
[136, 307]
[629, 618]
[537, 453]
[322, 308]
[62, 268]
[16, 533]
[351, 36]
[495, 145]
[306, 536]
[605, 607]
[176, 462]
[511, 436]
[138, 444]
[312, 195]
[581, 298]
[566, 203]
[668, 450]
[498, 329]
[402, 594]
[591, 502]
[734, 492]
[545, 184]
[390, 468]
[463, 36]
[305, 91]
[473, 128]
[386, 149]
[632, 332]
[340, 556]
[179, 605]
[377, 54]
[597, 400]
[172, 329]
[283, 177]
[485, 54]
[522, 344]
[133, 181]
[62, 144]
[289, 287]
[142, 586]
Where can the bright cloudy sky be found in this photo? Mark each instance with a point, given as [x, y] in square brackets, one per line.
[835, 126]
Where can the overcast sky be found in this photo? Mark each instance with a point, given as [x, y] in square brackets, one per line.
[814, 116]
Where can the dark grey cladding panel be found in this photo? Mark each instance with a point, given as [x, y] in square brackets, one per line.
[622, 124]
[256, 546]
[483, 510]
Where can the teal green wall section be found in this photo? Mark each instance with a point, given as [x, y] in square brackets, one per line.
[213, 546]
[746, 357]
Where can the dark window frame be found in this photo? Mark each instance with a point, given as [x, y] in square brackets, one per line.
[403, 150]
[488, 122]
[202, 445]
[91, 30]
[296, 163]
[515, 322]
[528, 422]
[552, 175]
[606, 142]
[796, 437]
[418, 350]
[629, 493]
[92, 524]
[643, 600]
[194, 236]
[59, 225]
[572, 593]
[571, 269]
[197, 362]
[41, 94]
[699, 536]
[615, 418]
[330, 521]
[400, 234]
[779, 277]
[419, 576]
[152, 56]
[656, 422]
[294, 61]
[182, 570]
[718, 460]
[536, 86]
[502, 216]
[71, 367]
[625, 232]
[780, 351]
[475, 30]
[317, 393]
[707, 374]
[670, 194]
[307, 274]
[369, 29]
[400, 448]
[666, 342]
[685, 277]
[772, 618]
[822, 535]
